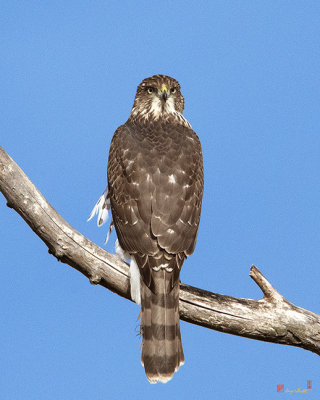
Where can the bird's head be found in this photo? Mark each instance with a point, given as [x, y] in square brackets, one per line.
[157, 96]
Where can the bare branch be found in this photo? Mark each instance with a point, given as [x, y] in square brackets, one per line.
[268, 290]
[271, 319]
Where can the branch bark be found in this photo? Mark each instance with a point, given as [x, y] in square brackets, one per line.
[271, 319]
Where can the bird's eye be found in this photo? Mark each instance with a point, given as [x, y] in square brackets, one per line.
[173, 90]
[150, 90]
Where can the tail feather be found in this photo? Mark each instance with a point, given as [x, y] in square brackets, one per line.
[162, 352]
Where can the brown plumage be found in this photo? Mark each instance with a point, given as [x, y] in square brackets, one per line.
[155, 187]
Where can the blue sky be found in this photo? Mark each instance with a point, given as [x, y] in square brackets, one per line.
[249, 72]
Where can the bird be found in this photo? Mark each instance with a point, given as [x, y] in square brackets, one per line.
[154, 191]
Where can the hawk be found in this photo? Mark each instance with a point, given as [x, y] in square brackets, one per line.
[155, 187]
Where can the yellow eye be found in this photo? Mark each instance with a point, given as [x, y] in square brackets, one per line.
[150, 90]
[173, 90]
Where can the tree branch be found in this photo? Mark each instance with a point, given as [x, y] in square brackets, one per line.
[271, 319]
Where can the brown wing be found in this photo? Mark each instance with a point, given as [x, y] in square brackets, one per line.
[155, 177]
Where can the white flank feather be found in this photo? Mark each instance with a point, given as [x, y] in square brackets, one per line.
[101, 208]
[134, 274]
[120, 252]
[111, 227]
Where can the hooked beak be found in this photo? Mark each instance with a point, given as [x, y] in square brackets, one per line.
[164, 95]
[164, 92]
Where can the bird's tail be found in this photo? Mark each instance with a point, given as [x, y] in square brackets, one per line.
[162, 352]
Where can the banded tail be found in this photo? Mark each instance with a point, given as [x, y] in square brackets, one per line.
[162, 352]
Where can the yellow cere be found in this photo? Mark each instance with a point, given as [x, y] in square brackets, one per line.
[164, 88]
